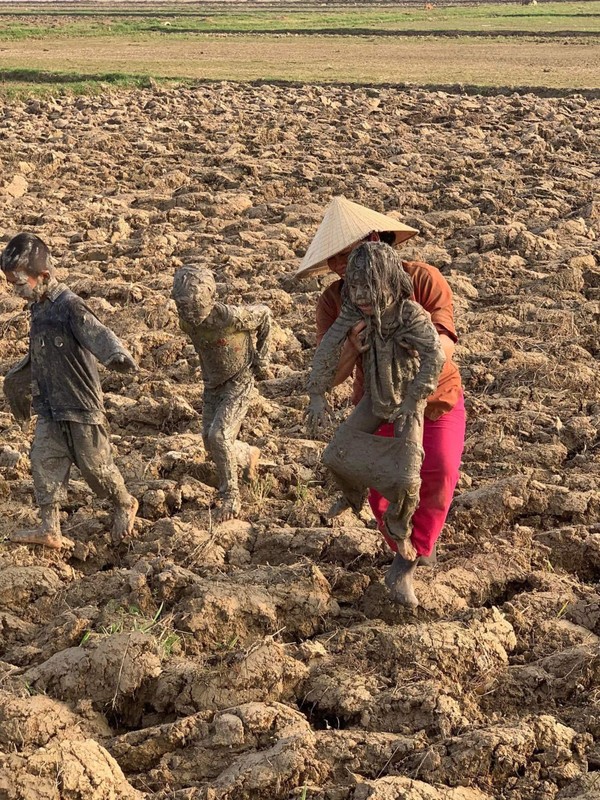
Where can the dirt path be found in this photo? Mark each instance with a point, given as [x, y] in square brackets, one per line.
[262, 660]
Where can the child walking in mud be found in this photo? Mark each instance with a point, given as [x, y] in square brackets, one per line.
[402, 358]
[223, 338]
[59, 376]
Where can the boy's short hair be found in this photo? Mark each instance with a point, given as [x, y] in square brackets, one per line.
[27, 252]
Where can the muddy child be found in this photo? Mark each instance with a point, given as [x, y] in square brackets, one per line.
[232, 343]
[402, 358]
[59, 377]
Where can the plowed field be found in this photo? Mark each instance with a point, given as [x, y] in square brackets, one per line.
[262, 659]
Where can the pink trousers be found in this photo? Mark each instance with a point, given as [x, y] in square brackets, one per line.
[443, 442]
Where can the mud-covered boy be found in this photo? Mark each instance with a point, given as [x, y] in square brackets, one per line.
[232, 343]
[61, 381]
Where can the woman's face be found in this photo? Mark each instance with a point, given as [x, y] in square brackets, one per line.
[339, 261]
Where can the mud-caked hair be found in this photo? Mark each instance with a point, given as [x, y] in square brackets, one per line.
[189, 278]
[380, 268]
[28, 253]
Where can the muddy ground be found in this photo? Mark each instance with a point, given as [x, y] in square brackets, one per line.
[262, 659]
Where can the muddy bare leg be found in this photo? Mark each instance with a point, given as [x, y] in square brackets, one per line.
[223, 413]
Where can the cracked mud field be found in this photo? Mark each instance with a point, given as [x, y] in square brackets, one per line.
[261, 659]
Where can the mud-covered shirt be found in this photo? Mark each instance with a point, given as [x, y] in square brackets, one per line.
[431, 291]
[224, 340]
[66, 338]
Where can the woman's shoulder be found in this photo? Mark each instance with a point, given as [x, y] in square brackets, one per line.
[421, 269]
[334, 289]
[428, 281]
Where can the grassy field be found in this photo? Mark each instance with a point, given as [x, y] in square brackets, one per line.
[27, 21]
[557, 46]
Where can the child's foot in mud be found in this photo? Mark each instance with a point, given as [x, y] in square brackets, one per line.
[123, 520]
[399, 580]
[228, 508]
[41, 536]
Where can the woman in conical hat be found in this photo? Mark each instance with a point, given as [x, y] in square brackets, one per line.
[346, 224]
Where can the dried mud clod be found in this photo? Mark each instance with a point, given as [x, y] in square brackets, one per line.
[261, 659]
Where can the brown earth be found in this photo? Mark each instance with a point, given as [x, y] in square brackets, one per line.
[453, 57]
[263, 659]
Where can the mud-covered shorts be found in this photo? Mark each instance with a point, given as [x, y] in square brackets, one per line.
[58, 445]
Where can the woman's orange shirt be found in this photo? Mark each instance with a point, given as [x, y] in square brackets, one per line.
[432, 292]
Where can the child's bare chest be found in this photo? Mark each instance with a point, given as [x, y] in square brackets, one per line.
[222, 353]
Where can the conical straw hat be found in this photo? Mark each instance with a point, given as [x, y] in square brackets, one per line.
[344, 224]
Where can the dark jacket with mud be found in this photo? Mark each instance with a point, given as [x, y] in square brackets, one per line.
[66, 338]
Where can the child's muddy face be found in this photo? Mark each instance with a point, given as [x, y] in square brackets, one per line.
[29, 287]
[360, 295]
[196, 306]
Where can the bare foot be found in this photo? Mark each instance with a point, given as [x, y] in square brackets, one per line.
[46, 538]
[229, 508]
[407, 549]
[250, 471]
[123, 520]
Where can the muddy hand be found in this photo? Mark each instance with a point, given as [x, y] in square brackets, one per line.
[356, 337]
[124, 518]
[317, 416]
[121, 362]
[407, 411]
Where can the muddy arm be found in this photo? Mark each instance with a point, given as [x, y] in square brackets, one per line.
[256, 317]
[420, 335]
[100, 340]
[263, 335]
[17, 389]
[327, 355]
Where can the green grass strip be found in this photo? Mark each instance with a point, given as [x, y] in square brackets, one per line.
[543, 19]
